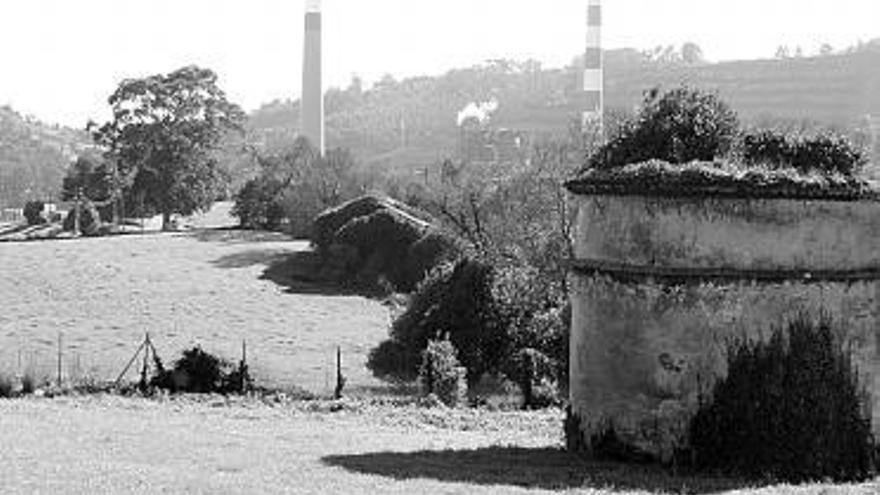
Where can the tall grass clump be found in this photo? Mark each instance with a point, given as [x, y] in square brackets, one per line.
[790, 408]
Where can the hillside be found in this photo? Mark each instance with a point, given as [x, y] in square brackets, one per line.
[405, 125]
[34, 157]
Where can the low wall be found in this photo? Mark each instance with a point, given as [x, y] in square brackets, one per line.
[660, 285]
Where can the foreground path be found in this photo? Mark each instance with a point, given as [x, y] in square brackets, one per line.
[201, 287]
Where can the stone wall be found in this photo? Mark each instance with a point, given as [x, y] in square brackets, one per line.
[661, 284]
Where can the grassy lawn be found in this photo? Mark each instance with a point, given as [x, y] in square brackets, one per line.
[106, 444]
[214, 288]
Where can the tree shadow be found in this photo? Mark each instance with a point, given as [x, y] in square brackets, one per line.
[299, 272]
[13, 229]
[235, 235]
[545, 468]
[251, 257]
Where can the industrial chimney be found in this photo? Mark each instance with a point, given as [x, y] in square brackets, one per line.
[593, 77]
[312, 100]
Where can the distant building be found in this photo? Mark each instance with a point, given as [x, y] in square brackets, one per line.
[481, 143]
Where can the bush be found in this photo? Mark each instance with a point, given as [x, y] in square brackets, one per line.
[258, 204]
[455, 299]
[33, 213]
[90, 220]
[537, 316]
[200, 372]
[679, 126]
[790, 408]
[328, 222]
[390, 241]
[382, 240]
[440, 373]
[394, 361]
[7, 386]
[28, 383]
[824, 152]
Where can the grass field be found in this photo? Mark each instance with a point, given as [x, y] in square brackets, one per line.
[215, 288]
[107, 444]
[208, 287]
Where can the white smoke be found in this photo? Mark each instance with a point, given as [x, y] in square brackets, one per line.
[481, 111]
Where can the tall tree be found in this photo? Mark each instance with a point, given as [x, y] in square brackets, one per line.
[164, 135]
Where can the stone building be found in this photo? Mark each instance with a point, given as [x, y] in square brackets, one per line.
[666, 273]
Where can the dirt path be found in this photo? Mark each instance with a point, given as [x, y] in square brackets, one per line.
[202, 287]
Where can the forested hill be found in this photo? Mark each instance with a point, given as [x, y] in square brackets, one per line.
[34, 157]
[414, 121]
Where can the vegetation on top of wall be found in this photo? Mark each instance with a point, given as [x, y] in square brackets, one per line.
[688, 142]
[824, 152]
[678, 126]
[722, 179]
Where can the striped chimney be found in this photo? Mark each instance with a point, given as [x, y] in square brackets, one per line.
[312, 101]
[593, 77]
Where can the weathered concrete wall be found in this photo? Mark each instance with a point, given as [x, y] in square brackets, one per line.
[738, 233]
[644, 343]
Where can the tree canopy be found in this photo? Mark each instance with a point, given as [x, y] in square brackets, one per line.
[163, 137]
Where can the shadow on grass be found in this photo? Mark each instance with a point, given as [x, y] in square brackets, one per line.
[238, 236]
[14, 229]
[545, 468]
[252, 257]
[300, 273]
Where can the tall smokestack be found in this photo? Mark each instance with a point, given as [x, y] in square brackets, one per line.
[312, 111]
[593, 78]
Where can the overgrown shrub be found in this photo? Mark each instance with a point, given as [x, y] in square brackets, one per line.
[382, 240]
[677, 126]
[824, 152]
[393, 360]
[441, 374]
[33, 213]
[390, 241]
[7, 386]
[537, 320]
[198, 371]
[258, 204]
[790, 408]
[329, 221]
[500, 319]
[455, 299]
[91, 222]
[28, 383]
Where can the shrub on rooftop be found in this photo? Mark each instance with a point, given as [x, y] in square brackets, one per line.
[678, 126]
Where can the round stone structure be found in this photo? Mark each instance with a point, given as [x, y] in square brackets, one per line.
[663, 278]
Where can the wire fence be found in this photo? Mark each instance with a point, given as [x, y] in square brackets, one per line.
[66, 363]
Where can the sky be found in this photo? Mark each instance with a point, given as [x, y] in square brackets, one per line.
[61, 59]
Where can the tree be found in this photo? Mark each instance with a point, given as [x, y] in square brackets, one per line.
[88, 175]
[163, 136]
[692, 54]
